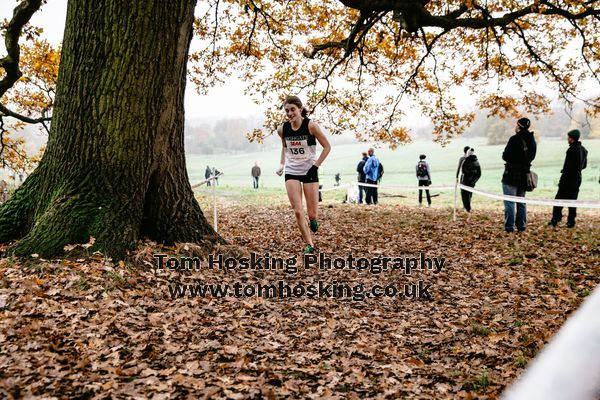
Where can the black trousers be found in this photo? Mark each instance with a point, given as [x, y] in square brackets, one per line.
[371, 192]
[424, 183]
[566, 193]
[466, 199]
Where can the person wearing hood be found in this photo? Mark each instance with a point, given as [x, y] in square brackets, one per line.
[570, 178]
[518, 154]
[471, 172]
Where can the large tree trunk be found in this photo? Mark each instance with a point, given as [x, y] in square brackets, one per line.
[114, 168]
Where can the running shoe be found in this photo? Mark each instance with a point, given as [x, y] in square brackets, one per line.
[314, 225]
[308, 249]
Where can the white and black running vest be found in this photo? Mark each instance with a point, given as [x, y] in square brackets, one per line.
[300, 148]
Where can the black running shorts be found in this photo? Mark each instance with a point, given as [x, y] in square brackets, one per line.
[312, 176]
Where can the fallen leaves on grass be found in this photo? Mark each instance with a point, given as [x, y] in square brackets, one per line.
[94, 328]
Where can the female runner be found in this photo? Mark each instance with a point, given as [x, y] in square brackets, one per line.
[299, 136]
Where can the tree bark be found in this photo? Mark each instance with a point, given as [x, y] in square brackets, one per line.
[114, 167]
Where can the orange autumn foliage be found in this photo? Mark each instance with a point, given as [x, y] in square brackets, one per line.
[31, 96]
[360, 65]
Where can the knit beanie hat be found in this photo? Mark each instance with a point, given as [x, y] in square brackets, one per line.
[575, 134]
[471, 152]
[524, 123]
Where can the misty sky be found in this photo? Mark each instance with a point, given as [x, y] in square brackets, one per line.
[226, 101]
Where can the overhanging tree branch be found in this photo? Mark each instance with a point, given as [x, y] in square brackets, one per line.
[5, 112]
[10, 63]
[414, 11]
[505, 20]
[415, 16]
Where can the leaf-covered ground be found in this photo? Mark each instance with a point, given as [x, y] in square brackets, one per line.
[86, 327]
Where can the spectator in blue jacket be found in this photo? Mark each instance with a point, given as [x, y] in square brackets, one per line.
[371, 170]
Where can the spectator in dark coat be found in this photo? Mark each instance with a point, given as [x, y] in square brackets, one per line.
[471, 172]
[424, 178]
[570, 179]
[519, 153]
[255, 172]
[207, 174]
[362, 177]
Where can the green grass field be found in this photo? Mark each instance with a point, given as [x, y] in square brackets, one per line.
[236, 184]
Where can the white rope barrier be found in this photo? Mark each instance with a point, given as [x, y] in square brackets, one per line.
[404, 187]
[207, 180]
[353, 189]
[569, 366]
[502, 197]
[541, 202]
[213, 178]
[335, 188]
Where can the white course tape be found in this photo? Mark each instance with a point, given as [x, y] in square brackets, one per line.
[335, 188]
[206, 180]
[569, 366]
[440, 187]
[541, 202]
[503, 197]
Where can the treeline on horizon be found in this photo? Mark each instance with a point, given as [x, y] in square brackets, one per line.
[554, 125]
[229, 134]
